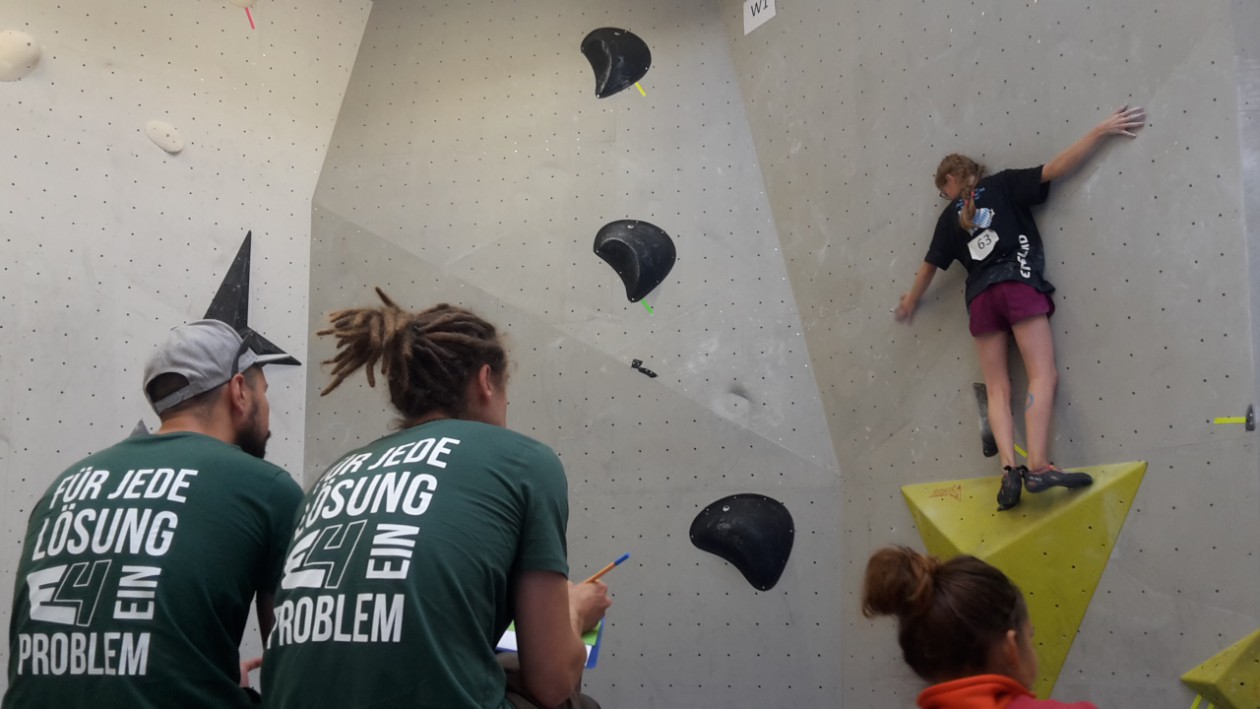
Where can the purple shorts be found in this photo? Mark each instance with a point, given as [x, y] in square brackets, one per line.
[1001, 305]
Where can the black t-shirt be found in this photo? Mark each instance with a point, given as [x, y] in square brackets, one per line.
[1009, 247]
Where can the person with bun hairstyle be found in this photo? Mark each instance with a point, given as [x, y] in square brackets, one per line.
[962, 625]
[412, 554]
[988, 227]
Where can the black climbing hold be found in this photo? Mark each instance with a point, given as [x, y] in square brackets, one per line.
[988, 444]
[231, 305]
[753, 532]
[619, 58]
[641, 253]
[638, 364]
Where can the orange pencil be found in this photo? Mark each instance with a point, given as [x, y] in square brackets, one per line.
[608, 568]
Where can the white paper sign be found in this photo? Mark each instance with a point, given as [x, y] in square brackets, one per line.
[983, 245]
[756, 12]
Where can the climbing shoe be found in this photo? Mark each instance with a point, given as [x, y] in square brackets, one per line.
[1012, 485]
[1051, 476]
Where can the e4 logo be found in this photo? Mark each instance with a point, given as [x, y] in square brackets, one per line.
[319, 559]
[68, 594]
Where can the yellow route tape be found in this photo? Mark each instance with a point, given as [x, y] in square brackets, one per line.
[1230, 419]
[640, 88]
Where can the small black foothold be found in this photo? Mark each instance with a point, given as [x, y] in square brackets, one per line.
[638, 364]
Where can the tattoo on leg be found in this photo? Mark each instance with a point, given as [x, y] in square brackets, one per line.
[1029, 405]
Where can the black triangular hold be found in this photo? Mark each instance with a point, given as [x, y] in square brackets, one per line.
[262, 346]
[231, 304]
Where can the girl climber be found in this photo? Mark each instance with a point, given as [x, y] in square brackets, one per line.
[989, 228]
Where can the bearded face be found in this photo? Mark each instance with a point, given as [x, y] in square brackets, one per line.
[255, 428]
[252, 438]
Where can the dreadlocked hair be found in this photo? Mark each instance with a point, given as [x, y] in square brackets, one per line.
[427, 357]
[968, 172]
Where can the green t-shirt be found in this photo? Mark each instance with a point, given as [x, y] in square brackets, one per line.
[137, 573]
[400, 577]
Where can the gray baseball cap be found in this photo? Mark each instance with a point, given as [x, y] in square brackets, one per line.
[207, 353]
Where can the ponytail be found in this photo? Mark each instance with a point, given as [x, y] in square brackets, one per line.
[427, 358]
[969, 172]
[949, 615]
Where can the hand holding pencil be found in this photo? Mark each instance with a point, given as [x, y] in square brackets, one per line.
[589, 600]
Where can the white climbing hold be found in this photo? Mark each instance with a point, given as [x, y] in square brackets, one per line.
[18, 54]
[164, 136]
[242, 3]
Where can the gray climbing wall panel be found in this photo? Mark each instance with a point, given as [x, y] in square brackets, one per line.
[472, 137]
[1246, 20]
[851, 106]
[473, 163]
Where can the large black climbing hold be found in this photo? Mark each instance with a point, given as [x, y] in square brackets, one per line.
[231, 305]
[753, 532]
[618, 57]
[641, 253]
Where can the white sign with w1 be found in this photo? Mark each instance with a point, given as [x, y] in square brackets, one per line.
[756, 12]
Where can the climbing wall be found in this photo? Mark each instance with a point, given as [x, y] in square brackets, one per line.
[851, 107]
[473, 163]
[107, 240]
[1246, 18]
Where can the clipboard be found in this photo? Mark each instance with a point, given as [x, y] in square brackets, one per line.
[592, 639]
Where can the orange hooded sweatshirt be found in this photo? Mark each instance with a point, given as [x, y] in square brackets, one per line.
[988, 692]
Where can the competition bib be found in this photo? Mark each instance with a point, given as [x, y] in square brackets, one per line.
[981, 246]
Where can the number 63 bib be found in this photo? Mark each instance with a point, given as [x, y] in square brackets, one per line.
[982, 245]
